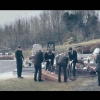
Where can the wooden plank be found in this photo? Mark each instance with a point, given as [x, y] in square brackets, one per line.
[47, 75]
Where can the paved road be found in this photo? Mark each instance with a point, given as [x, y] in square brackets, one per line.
[7, 66]
[6, 69]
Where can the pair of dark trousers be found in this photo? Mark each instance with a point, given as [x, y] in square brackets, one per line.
[59, 73]
[74, 70]
[98, 78]
[19, 68]
[47, 64]
[49, 67]
[37, 69]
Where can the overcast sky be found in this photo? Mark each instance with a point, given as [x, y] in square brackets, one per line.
[8, 16]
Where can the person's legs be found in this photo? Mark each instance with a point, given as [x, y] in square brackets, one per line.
[52, 67]
[40, 72]
[70, 70]
[74, 70]
[18, 75]
[47, 63]
[21, 69]
[59, 73]
[65, 75]
[18, 69]
[98, 78]
[35, 74]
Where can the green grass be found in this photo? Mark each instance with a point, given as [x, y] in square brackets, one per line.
[27, 84]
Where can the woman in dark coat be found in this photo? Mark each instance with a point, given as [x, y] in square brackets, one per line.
[97, 60]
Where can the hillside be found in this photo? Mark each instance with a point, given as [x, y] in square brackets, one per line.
[63, 48]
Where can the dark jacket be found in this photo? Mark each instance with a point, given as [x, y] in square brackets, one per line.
[19, 55]
[49, 56]
[97, 60]
[63, 60]
[73, 56]
[38, 58]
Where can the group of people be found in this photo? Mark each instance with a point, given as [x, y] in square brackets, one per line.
[49, 56]
[63, 60]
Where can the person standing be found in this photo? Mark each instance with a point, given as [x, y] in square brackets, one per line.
[97, 60]
[49, 55]
[73, 59]
[62, 62]
[38, 59]
[19, 60]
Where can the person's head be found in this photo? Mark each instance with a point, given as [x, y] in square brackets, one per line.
[40, 51]
[70, 49]
[19, 47]
[49, 51]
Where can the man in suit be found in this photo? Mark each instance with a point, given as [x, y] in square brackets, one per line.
[38, 59]
[19, 60]
[62, 62]
[49, 55]
[97, 60]
[73, 59]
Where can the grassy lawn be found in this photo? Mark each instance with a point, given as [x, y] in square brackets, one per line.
[87, 42]
[82, 43]
[63, 48]
[27, 84]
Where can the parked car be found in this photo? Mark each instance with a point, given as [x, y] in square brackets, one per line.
[7, 56]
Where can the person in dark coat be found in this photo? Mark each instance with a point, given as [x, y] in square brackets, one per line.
[73, 59]
[97, 60]
[38, 59]
[19, 61]
[62, 62]
[49, 55]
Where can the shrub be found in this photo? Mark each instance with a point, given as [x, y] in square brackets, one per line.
[66, 43]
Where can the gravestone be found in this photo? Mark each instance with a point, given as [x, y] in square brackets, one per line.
[51, 45]
[36, 47]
